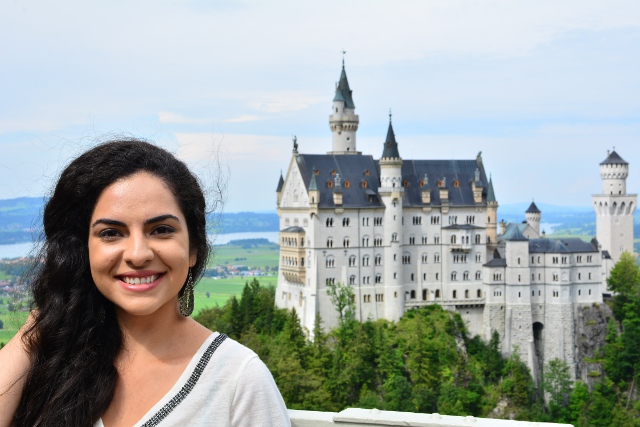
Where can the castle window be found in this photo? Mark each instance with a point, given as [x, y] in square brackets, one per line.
[330, 242]
[435, 220]
[406, 259]
[440, 183]
[345, 242]
[478, 257]
[394, 237]
[367, 298]
[456, 183]
[436, 239]
[437, 293]
[425, 258]
[364, 184]
[478, 275]
[346, 222]
[532, 260]
[352, 280]
[380, 297]
[365, 241]
[347, 184]
[413, 294]
[437, 276]
[317, 171]
[454, 277]
[424, 240]
[378, 278]
[579, 276]
[365, 261]
[555, 277]
[412, 240]
[412, 277]
[352, 261]
[405, 183]
[455, 294]
[465, 275]
[589, 276]
[436, 258]
[519, 294]
[466, 293]
[518, 261]
[330, 262]
[329, 222]
[589, 291]
[424, 277]
[424, 295]
[330, 184]
[477, 239]
[579, 292]
[518, 277]
[366, 172]
[395, 275]
[333, 172]
[453, 240]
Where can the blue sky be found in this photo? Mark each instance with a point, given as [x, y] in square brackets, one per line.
[542, 88]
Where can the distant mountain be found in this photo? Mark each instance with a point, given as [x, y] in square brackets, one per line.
[545, 208]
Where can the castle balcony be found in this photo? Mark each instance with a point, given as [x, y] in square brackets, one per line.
[354, 417]
[465, 247]
[458, 302]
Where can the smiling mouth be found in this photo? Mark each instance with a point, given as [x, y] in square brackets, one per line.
[140, 280]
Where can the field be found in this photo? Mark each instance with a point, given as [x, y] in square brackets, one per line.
[257, 256]
[12, 321]
[220, 290]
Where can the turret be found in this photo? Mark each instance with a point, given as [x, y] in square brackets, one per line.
[614, 171]
[343, 120]
[492, 215]
[533, 216]
[390, 162]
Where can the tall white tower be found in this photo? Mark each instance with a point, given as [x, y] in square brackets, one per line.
[614, 208]
[391, 192]
[343, 120]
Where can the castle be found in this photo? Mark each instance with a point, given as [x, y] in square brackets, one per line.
[407, 233]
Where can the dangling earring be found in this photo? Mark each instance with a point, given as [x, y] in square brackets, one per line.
[186, 300]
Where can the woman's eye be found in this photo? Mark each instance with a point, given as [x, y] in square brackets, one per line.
[109, 233]
[163, 230]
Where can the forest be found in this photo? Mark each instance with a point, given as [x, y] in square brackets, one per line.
[427, 361]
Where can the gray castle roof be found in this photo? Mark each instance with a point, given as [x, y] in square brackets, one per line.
[497, 260]
[361, 168]
[280, 184]
[533, 208]
[568, 245]
[614, 159]
[390, 144]
[294, 229]
[516, 235]
[491, 195]
[343, 92]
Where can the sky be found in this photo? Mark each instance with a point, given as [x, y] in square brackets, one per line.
[542, 88]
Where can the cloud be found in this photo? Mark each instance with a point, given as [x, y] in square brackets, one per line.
[244, 118]
[168, 117]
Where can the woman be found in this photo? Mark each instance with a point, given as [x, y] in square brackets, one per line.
[109, 342]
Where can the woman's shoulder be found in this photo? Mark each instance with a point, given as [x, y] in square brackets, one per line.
[15, 362]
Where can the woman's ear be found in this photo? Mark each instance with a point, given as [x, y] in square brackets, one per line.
[193, 257]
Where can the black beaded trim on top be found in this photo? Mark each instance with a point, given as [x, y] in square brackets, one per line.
[191, 382]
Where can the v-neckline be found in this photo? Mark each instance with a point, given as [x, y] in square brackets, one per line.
[177, 385]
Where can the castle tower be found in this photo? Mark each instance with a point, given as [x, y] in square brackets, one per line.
[391, 192]
[492, 218]
[533, 216]
[614, 208]
[343, 120]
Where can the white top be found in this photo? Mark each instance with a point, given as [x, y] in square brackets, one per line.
[234, 389]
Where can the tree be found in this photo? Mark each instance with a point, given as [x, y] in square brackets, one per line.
[557, 382]
[343, 301]
[624, 280]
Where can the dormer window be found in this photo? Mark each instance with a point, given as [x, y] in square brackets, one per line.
[317, 171]
[367, 173]
[347, 184]
[330, 184]
[456, 183]
[333, 172]
[440, 183]
[405, 183]
[364, 183]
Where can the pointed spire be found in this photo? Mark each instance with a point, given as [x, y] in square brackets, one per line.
[343, 92]
[533, 208]
[280, 183]
[390, 145]
[491, 196]
[312, 184]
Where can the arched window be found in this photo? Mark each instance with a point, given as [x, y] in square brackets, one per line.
[466, 293]
[413, 294]
[479, 293]
[454, 276]
[455, 294]
[453, 239]
[330, 242]
[437, 293]
[477, 239]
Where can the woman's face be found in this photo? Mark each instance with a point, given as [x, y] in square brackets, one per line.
[139, 245]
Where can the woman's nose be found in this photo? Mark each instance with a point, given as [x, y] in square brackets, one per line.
[138, 251]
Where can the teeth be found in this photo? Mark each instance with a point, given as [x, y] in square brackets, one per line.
[139, 280]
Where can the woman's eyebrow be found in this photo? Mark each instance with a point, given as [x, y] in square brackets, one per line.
[161, 218]
[109, 222]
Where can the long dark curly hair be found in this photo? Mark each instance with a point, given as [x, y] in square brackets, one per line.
[75, 337]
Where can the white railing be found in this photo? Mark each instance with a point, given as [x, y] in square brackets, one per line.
[353, 417]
